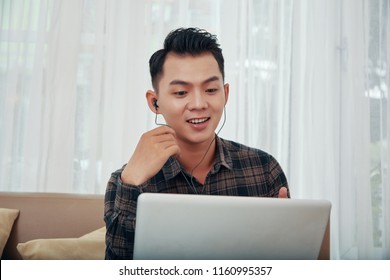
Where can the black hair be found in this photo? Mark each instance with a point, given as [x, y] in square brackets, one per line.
[183, 41]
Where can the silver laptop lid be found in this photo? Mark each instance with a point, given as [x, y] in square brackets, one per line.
[177, 226]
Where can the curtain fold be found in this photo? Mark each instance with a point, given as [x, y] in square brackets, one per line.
[309, 83]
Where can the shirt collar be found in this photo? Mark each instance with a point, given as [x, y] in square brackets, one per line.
[222, 158]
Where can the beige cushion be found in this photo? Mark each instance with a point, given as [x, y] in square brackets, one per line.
[7, 219]
[88, 247]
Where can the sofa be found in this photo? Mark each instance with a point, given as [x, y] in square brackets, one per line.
[51, 226]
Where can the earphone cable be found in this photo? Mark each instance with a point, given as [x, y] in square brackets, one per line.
[208, 148]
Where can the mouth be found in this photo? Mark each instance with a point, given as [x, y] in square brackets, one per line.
[198, 121]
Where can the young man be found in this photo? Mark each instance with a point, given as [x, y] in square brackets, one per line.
[185, 155]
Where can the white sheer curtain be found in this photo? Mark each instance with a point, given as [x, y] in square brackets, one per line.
[309, 84]
[331, 118]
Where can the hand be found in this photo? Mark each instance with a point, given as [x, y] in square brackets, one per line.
[152, 151]
[282, 192]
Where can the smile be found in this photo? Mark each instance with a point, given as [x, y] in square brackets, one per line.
[198, 121]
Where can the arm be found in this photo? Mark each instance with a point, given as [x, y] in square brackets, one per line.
[125, 185]
[278, 180]
[119, 215]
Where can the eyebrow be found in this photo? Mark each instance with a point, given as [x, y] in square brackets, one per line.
[181, 82]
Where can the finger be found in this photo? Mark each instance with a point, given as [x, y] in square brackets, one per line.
[166, 143]
[164, 138]
[173, 150]
[283, 193]
[162, 130]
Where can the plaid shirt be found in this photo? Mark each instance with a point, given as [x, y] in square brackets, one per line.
[238, 171]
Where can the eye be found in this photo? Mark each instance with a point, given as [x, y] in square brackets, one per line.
[180, 93]
[211, 90]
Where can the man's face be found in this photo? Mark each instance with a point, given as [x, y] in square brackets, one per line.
[192, 96]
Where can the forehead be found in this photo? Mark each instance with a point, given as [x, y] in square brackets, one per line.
[190, 68]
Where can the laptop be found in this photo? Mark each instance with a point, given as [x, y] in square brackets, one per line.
[206, 227]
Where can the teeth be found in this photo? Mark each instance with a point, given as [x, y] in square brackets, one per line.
[196, 121]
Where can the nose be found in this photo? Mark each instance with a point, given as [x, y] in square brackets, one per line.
[198, 101]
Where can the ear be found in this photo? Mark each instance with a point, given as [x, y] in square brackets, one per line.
[226, 90]
[151, 97]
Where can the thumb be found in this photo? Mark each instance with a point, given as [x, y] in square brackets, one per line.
[282, 192]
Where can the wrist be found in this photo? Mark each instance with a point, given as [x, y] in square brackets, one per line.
[130, 179]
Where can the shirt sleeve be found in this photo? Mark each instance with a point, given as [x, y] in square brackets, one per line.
[119, 215]
[277, 178]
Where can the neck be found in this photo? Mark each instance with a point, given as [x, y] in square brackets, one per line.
[198, 159]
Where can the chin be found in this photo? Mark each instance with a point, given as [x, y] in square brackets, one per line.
[201, 139]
